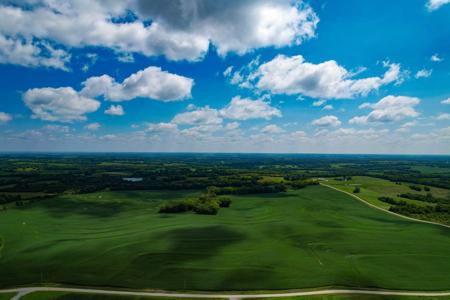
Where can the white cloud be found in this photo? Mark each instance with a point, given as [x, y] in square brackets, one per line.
[446, 101]
[204, 115]
[24, 52]
[328, 107]
[59, 104]
[443, 117]
[424, 73]
[436, 58]
[91, 60]
[162, 127]
[435, 4]
[389, 109]
[4, 117]
[108, 137]
[319, 103]
[327, 121]
[406, 126]
[151, 83]
[272, 129]
[57, 128]
[245, 109]
[93, 126]
[178, 29]
[232, 126]
[329, 80]
[115, 110]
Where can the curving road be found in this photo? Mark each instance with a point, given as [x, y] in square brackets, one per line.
[23, 291]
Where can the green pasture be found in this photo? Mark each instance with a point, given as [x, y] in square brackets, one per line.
[309, 238]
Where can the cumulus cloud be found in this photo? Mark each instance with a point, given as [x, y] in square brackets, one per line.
[443, 117]
[4, 117]
[115, 110]
[446, 101]
[328, 107]
[293, 75]
[59, 104]
[435, 4]
[436, 58]
[204, 115]
[162, 127]
[272, 129]
[389, 109]
[245, 109]
[327, 121]
[319, 103]
[424, 73]
[151, 83]
[25, 52]
[181, 29]
[232, 126]
[93, 126]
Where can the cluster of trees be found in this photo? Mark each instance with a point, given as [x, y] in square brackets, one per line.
[438, 213]
[8, 198]
[412, 209]
[356, 190]
[415, 188]
[206, 204]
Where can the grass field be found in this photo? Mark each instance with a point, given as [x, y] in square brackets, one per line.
[300, 239]
[6, 296]
[359, 297]
[78, 296]
[86, 296]
[372, 188]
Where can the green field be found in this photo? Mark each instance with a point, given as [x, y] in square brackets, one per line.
[87, 296]
[372, 188]
[82, 296]
[6, 296]
[312, 237]
[359, 297]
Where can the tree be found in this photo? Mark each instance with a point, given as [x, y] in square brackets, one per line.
[356, 190]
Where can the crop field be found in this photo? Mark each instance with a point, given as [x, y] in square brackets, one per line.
[85, 296]
[311, 237]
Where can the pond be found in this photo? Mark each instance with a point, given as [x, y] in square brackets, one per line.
[132, 179]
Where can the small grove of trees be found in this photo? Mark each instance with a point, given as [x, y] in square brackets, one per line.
[439, 212]
[356, 190]
[206, 204]
[300, 184]
[425, 198]
[415, 188]
[9, 198]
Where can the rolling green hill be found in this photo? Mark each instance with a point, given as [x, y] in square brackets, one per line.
[312, 237]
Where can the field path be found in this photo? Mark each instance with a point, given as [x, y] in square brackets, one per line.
[23, 291]
[382, 209]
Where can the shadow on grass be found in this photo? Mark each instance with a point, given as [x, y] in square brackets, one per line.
[60, 207]
[178, 266]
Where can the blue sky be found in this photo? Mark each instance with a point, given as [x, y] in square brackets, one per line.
[225, 76]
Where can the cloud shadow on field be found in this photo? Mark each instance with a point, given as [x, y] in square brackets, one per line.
[173, 268]
[60, 207]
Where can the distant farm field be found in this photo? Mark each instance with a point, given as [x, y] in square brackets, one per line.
[372, 188]
[312, 237]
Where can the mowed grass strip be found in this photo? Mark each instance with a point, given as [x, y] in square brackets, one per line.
[308, 238]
